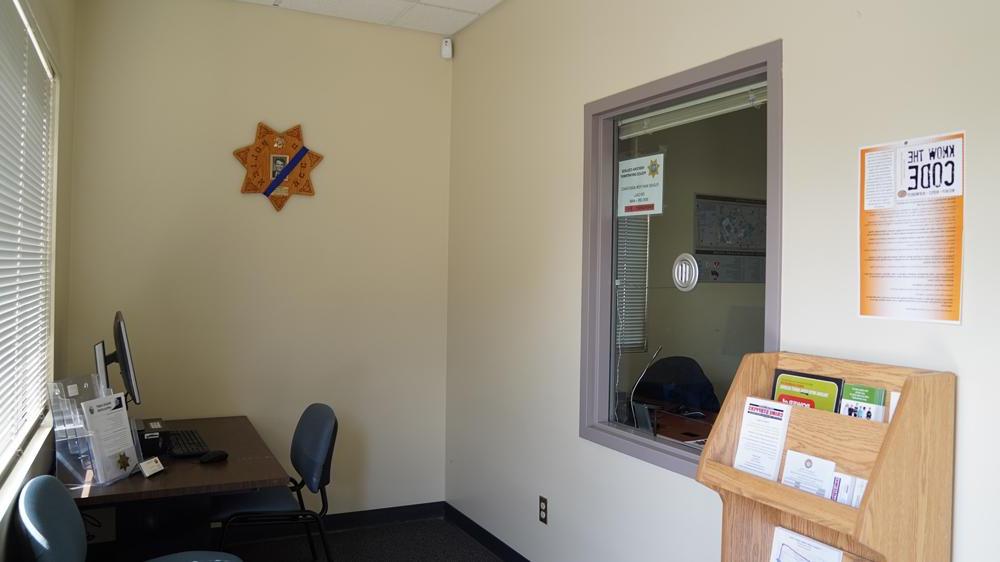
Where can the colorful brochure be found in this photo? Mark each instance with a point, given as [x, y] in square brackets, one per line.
[807, 391]
[865, 402]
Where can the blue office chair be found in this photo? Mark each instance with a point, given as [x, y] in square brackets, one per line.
[312, 453]
[53, 528]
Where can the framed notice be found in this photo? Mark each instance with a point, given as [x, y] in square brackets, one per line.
[730, 239]
[910, 229]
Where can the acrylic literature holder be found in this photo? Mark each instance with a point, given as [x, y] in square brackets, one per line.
[74, 441]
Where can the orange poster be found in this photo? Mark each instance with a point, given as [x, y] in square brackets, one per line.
[911, 212]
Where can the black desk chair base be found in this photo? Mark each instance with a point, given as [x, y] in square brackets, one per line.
[311, 455]
[302, 516]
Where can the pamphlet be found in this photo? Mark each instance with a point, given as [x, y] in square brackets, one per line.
[858, 493]
[807, 391]
[894, 397]
[789, 546]
[808, 473]
[762, 437]
[843, 488]
[113, 448]
[865, 402]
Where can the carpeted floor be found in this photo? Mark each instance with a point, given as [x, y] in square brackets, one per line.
[425, 540]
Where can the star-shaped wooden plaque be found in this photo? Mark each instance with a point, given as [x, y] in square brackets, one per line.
[278, 165]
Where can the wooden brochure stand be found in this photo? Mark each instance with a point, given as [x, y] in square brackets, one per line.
[905, 515]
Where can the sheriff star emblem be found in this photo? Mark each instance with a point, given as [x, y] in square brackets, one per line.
[123, 461]
[278, 165]
[654, 168]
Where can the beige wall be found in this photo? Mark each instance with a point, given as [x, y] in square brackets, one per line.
[717, 322]
[854, 74]
[233, 308]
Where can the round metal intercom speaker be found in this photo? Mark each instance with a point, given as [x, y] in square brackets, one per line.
[685, 272]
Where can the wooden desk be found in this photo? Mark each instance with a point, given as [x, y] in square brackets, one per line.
[250, 466]
[683, 428]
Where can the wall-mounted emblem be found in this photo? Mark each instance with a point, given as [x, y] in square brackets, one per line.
[278, 165]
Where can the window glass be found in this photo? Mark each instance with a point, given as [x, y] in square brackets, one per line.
[26, 156]
[676, 351]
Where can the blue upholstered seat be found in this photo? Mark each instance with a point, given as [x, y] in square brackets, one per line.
[267, 499]
[51, 522]
[54, 531]
[312, 453]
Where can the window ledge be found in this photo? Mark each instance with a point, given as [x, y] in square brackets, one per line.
[673, 457]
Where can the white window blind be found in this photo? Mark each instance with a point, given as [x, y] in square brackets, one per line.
[689, 112]
[26, 170]
[632, 266]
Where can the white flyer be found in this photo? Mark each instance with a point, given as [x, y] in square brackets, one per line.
[843, 488]
[808, 473]
[858, 493]
[640, 186]
[893, 402]
[113, 449]
[788, 546]
[762, 437]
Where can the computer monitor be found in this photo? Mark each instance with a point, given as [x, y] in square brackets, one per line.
[102, 368]
[122, 355]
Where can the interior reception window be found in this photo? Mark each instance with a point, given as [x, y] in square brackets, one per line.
[690, 249]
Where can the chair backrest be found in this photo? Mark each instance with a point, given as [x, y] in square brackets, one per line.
[680, 380]
[51, 522]
[312, 445]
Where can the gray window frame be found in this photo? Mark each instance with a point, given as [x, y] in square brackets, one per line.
[598, 226]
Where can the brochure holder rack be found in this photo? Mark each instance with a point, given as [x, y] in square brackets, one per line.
[906, 512]
[74, 441]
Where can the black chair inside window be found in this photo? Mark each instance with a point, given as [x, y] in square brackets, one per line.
[679, 381]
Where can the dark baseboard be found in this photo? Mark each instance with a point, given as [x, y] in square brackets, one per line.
[432, 510]
[384, 516]
[482, 536]
[390, 515]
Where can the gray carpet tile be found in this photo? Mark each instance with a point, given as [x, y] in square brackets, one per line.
[428, 540]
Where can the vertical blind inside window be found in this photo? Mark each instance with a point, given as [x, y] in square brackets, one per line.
[630, 283]
[26, 156]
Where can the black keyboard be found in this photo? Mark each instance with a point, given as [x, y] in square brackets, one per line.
[186, 443]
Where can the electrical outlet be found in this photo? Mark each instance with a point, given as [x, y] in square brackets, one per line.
[543, 510]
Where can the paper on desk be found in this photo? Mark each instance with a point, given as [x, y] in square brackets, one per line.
[762, 437]
[113, 448]
[788, 546]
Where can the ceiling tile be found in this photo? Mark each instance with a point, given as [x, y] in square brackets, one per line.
[443, 17]
[434, 19]
[376, 11]
[476, 6]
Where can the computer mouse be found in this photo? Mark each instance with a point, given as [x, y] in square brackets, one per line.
[213, 456]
